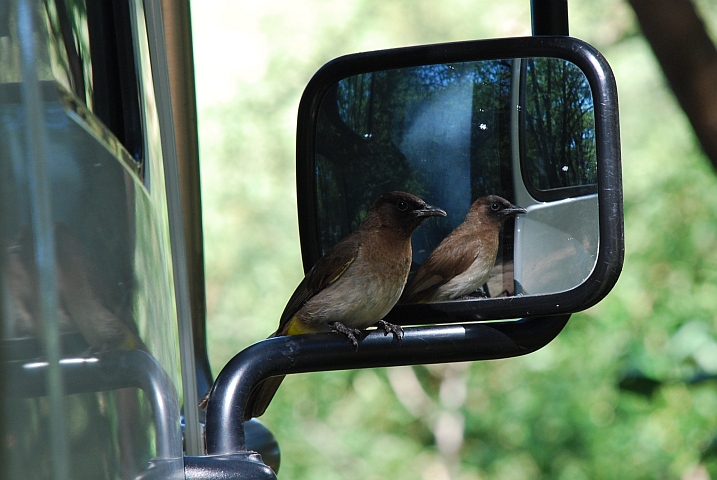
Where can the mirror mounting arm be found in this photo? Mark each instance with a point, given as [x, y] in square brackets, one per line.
[331, 351]
[549, 17]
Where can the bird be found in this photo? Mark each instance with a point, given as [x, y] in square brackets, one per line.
[86, 298]
[355, 284]
[83, 299]
[462, 262]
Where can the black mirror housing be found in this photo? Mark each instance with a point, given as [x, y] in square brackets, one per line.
[357, 134]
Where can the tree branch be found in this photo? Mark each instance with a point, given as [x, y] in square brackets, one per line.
[688, 59]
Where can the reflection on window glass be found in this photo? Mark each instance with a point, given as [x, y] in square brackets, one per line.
[69, 46]
[88, 51]
[100, 399]
[559, 135]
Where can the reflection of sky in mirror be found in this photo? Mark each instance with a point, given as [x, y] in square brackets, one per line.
[436, 135]
[440, 120]
[436, 141]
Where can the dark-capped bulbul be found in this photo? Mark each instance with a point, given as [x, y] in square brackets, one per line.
[83, 299]
[462, 262]
[356, 283]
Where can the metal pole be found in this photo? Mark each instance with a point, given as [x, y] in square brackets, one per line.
[549, 17]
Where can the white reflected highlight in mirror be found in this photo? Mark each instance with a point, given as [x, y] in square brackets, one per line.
[437, 142]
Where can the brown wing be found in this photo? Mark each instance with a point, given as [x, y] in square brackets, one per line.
[326, 271]
[452, 257]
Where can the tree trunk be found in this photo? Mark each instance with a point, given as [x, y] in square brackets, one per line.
[688, 59]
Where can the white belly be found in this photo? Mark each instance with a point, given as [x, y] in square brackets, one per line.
[464, 283]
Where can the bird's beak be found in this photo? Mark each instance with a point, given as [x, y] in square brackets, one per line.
[430, 211]
[513, 211]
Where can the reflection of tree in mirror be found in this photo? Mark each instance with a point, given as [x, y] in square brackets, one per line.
[357, 160]
[439, 131]
[559, 141]
[490, 130]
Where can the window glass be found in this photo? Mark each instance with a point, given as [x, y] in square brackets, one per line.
[89, 53]
[69, 46]
[558, 155]
[100, 399]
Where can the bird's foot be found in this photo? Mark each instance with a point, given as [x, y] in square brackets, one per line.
[391, 328]
[480, 293]
[204, 402]
[352, 333]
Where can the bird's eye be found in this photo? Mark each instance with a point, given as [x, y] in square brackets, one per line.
[495, 206]
[402, 206]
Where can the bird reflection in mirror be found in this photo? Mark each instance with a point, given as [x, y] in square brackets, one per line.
[462, 262]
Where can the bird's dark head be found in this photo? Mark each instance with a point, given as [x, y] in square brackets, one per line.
[496, 209]
[401, 211]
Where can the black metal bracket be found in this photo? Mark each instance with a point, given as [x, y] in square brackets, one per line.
[238, 466]
[549, 17]
[331, 351]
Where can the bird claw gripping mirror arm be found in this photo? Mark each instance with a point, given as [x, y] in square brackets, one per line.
[329, 351]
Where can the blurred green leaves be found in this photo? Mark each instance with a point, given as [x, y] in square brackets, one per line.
[556, 414]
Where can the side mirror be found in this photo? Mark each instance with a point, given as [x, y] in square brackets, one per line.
[534, 120]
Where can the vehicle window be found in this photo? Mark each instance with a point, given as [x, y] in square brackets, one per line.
[558, 155]
[85, 267]
[90, 55]
[69, 47]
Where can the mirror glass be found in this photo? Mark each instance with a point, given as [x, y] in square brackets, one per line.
[523, 129]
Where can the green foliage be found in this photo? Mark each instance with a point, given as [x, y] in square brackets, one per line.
[556, 414]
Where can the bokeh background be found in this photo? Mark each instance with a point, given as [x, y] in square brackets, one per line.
[625, 391]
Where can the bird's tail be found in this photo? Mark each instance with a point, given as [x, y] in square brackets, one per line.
[261, 396]
[259, 399]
